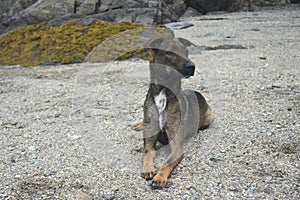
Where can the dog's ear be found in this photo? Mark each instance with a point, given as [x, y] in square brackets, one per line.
[186, 42]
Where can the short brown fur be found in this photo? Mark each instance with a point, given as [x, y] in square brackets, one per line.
[186, 111]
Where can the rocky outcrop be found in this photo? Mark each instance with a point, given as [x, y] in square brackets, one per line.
[205, 6]
[19, 13]
[25, 12]
[271, 2]
[38, 11]
[10, 8]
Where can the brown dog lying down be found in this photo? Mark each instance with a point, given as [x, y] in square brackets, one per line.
[170, 113]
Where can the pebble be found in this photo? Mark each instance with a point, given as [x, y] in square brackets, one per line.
[109, 198]
[253, 29]
[269, 133]
[296, 91]
[74, 137]
[31, 148]
[238, 154]
[33, 156]
[179, 25]
[51, 173]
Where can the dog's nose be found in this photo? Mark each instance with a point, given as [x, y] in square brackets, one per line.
[190, 65]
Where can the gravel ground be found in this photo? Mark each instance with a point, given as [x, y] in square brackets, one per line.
[65, 131]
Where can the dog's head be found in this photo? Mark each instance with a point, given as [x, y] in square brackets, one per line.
[170, 56]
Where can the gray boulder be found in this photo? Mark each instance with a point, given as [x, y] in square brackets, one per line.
[19, 13]
[41, 10]
[271, 2]
[25, 12]
[205, 6]
[85, 7]
[190, 12]
[9, 7]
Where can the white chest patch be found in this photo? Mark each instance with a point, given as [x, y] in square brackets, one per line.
[161, 103]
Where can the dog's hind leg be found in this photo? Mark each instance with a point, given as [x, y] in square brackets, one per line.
[204, 109]
[139, 126]
[206, 119]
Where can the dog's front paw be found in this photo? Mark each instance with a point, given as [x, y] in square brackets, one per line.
[148, 174]
[159, 181]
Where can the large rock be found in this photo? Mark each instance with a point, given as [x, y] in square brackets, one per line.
[85, 7]
[271, 2]
[205, 6]
[9, 8]
[19, 13]
[117, 15]
[25, 12]
[42, 10]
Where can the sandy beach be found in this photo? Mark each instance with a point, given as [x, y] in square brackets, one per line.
[65, 131]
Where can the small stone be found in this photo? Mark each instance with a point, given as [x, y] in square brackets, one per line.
[74, 137]
[33, 156]
[82, 195]
[109, 198]
[262, 58]
[26, 135]
[190, 187]
[233, 189]
[179, 25]
[69, 123]
[269, 133]
[31, 148]
[222, 151]
[87, 115]
[20, 126]
[276, 86]
[187, 187]
[18, 176]
[254, 29]
[238, 154]
[57, 115]
[50, 174]
[278, 126]
[213, 159]
[290, 107]
[13, 159]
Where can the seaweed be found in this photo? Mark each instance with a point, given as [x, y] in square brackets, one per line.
[65, 43]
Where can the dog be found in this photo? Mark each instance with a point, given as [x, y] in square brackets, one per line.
[170, 113]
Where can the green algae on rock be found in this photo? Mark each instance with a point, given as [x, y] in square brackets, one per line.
[66, 43]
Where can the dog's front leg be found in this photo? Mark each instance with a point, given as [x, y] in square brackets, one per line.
[150, 134]
[148, 161]
[161, 178]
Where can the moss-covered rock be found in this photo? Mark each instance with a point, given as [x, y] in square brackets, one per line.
[127, 44]
[65, 43]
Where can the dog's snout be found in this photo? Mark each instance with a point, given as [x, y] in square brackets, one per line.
[190, 65]
[189, 69]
